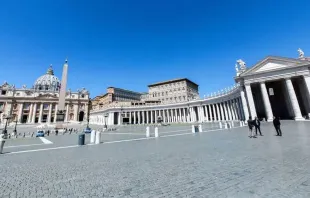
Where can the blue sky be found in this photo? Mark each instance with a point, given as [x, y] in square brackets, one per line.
[130, 44]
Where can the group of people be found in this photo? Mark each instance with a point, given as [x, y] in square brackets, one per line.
[256, 123]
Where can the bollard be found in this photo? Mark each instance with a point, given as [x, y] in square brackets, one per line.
[98, 136]
[156, 131]
[221, 126]
[92, 136]
[193, 129]
[200, 127]
[226, 125]
[81, 140]
[147, 131]
[241, 123]
[232, 124]
[2, 141]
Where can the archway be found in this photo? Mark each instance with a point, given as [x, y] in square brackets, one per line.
[81, 116]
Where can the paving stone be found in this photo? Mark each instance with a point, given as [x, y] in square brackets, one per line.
[213, 164]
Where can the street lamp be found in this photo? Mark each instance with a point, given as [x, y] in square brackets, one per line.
[6, 124]
[15, 131]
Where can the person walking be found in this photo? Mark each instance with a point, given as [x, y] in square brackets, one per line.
[257, 126]
[250, 124]
[277, 124]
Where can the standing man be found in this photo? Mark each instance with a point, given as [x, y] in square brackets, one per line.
[257, 126]
[250, 124]
[276, 124]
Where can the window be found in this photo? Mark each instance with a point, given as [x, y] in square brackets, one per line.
[3, 92]
[82, 96]
[17, 94]
[45, 106]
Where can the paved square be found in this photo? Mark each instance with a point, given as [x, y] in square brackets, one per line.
[212, 164]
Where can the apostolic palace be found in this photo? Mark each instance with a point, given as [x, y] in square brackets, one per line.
[39, 103]
[275, 86]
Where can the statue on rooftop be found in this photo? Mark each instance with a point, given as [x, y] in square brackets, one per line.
[241, 64]
[301, 53]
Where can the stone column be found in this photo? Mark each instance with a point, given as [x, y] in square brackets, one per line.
[222, 111]
[152, 117]
[242, 117]
[294, 101]
[233, 110]
[67, 113]
[130, 122]
[156, 116]
[20, 112]
[134, 117]
[119, 118]
[40, 113]
[206, 113]
[238, 116]
[201, 114]
[244, 105]
[230, 113]
[267, 105]
[49, 117]
[29, 119]
[307, 83]
[210, 113]
[76, 112]
[248, 91]
[218, 111]
[214, 112]
[225, 111]
[143, 117]
[55, 113]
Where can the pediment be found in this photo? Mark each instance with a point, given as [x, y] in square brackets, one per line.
[273, 64]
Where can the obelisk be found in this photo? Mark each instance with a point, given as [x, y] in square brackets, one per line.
[62, 96]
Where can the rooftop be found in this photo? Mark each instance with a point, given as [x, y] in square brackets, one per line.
[172, 81]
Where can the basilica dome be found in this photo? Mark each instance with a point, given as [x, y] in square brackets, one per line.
[47, 82]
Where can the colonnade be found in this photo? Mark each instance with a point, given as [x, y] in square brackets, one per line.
[202, 111]
[41, 112]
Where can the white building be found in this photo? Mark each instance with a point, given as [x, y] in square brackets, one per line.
[275, 86]
[39, 104]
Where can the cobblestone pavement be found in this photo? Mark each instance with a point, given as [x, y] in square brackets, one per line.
[213, 164]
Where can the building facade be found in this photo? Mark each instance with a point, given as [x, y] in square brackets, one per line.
[275, 86]
[115, 96]
[39, 104]
[174, 91]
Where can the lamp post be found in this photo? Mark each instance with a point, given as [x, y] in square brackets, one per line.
[5, 132]
[15, 131]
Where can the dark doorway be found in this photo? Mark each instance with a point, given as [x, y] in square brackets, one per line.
[115, 118]
[278, 98]
[258, 100]
[81, 116]
[44, 118]
[24, 118]
[52, 119]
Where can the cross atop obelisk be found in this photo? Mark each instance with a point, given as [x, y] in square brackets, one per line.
[62, 93]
